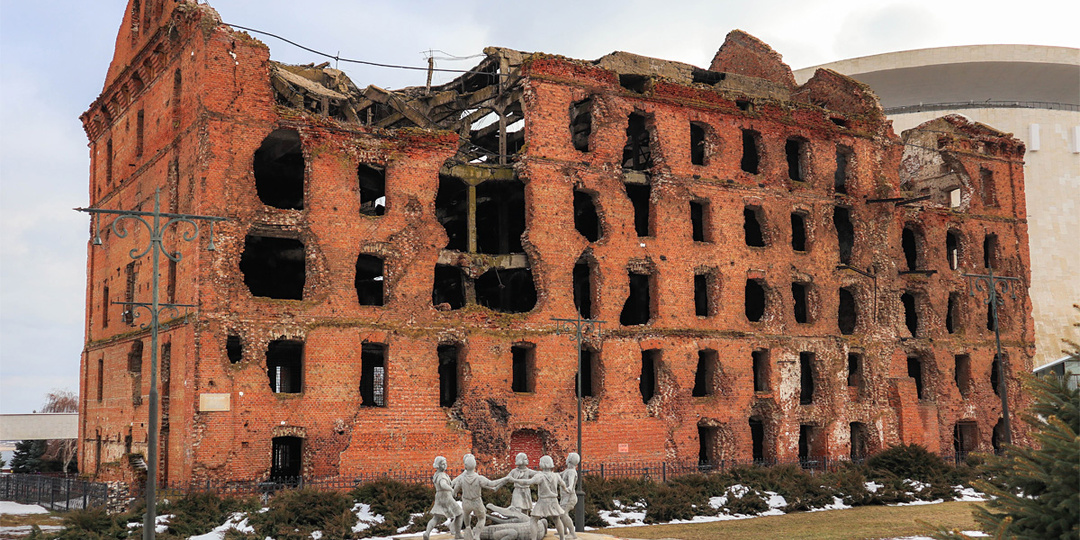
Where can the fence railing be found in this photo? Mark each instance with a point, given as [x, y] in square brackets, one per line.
[53, 492]
[986, 104]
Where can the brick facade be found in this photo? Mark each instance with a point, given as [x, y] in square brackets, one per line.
[340, 325]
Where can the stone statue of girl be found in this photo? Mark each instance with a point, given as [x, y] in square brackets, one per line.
[445, 506]
[522, 498]
[547, 485]
[568, 499]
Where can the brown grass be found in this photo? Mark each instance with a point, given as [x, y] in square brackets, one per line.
[864, 522]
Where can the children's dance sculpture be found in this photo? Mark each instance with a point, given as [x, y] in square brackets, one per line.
[469, 484]
[523, 519]
[445, 506]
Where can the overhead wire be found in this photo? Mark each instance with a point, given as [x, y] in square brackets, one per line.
[338, 58]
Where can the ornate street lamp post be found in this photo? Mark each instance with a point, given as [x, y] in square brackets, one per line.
[990, 284]
[578, 328]
[156, 223]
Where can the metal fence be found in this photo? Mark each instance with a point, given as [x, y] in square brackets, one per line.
[657, 471]
[53, 492]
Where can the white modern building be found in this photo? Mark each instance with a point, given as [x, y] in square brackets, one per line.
[1033, 92]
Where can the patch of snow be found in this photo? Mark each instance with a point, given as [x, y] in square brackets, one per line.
[412, 517]
[837, 504]
[364, 517]
[9, 508]
[775, 500]
[968, 494]
[238, 521]
[625, 515]
[915, 484]
[917, 503]
[316, 535]
[872, 487]
[24, 530]
[975, 534]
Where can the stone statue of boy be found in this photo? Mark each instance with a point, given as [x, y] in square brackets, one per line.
[469, 484]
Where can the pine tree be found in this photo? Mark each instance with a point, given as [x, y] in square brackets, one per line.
[1037, 490]
[27, 457]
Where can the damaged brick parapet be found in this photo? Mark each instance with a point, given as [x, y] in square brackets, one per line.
[780, 274]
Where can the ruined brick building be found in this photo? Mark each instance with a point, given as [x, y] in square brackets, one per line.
[780, 274]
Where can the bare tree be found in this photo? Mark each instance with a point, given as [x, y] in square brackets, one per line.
[62, 450]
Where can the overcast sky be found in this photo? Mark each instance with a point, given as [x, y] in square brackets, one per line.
[54, 54]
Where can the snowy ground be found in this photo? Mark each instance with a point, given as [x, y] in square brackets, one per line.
[627, 513]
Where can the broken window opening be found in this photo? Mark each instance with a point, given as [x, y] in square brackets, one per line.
[373, 375]
[762, 370]
[105, 306]
[750, 160]
[523, 357]
[962, 374]
[452, 211]
[279, 170]
[806, 378]
[640, 195]
[858, 441]
[108, 162]
[995, 375]
[757, 439]
[798, 231]
[743, 104]
[708, 441]
[369, 280]
[704, 295]
[708, 364]
[590, 367]
[997, 436]
[843, 161]
[847, 315]
[176, 89]
[700, 221]
[586, 220]
[952, 316]
[135, 17]
[754, 300]
[795, 151]
[581, 124]
[650, 361]
[990, 244]
[952, 249]
[986, 187]
[284, 366]
[274, 267]
[753, 221]
[372, 183]
[637, 154]
[697, 143]
[286, 458]
[234, 349]
[633, 82]
[100, 379]
[139, 133]
[911, 314]
[807, 446]
[965, 438]
[129, 297]
[448, 291]
[583, 292]
[500, 216]
[910, 246]
[506, 290]
[991, 322]
[855, 370]
[845, 233]
[638, 307]
[915, 371]
[449, 374]
[704, 76]
[135, 357]
[800, 293]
